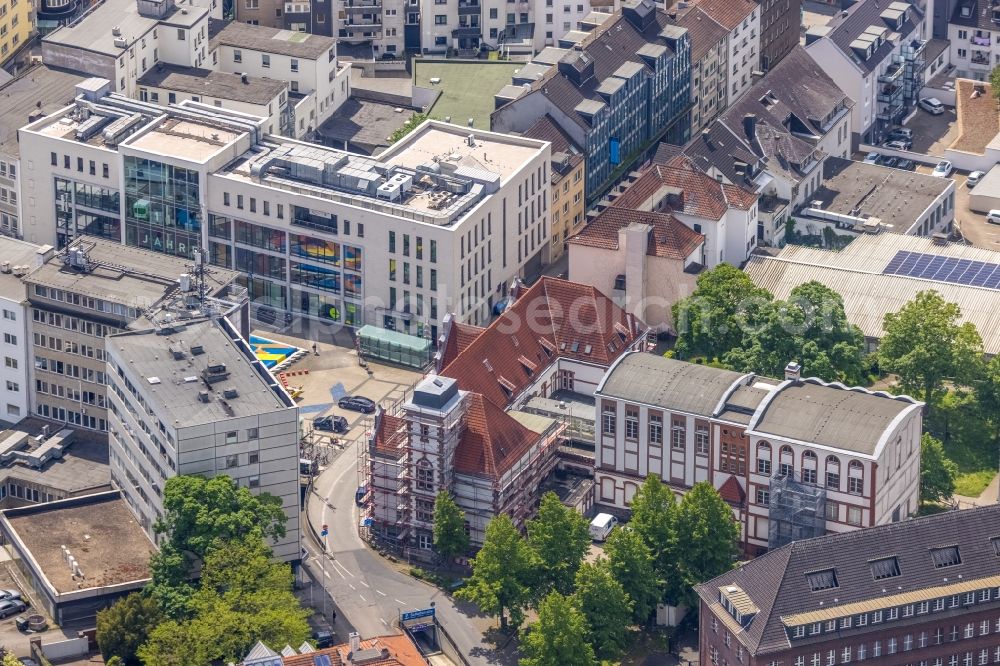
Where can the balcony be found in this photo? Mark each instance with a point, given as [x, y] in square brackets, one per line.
[467, 31]
[980, 58]
[469, 8]
[892, 74]
[367, 7]
[363, 21]
[303, 218]
[889, 94]
[891, 113]
[980, 40]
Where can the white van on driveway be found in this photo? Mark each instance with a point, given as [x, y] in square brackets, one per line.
[601, 526]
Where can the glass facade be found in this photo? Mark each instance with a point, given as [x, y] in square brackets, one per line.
[86, 209]
[162, 209]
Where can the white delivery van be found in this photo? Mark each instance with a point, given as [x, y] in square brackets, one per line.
[601, 526]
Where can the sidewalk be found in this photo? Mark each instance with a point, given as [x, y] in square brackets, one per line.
[987, 497]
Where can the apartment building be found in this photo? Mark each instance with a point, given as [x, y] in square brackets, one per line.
[874, 52]
[779, 30]
[443, 220]
[741, 18]
[16, 259]
[709, 66]
[566, 183]
[17, 27]
[922, 591]
[487, 425]
[795, 459]
[190, 397]
[614, 90]
[76, 298]
[774, 140]
[973, 33]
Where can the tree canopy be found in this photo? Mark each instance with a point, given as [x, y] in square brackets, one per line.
[937, 472]
[606, 607]
[560, 538]
[653, 513]
[502, 572]
[125, 625]
[704, 523]
[450, 537]
[559, 637]
[632, 566]
[925, 344]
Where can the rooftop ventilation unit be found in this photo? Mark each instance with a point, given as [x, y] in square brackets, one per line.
[215, 373]
[197, 350]
[230, 393]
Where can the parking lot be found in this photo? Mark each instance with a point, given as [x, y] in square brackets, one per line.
[932, 134]
[11, 637]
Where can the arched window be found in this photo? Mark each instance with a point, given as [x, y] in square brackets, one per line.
[809, 465]
[786, 464]
[856, 478]
[764, 458]
[833, 472]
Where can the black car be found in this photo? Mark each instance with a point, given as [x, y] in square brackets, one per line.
[357, 403]
[335, 424]
[890, 161]
[906, 165]
[322, 638]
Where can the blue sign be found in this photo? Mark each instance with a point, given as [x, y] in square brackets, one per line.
[417, 614]
[616, 150]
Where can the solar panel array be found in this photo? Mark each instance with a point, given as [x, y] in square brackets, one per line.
[952, 270]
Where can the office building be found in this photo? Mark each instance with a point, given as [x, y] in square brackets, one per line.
[16, 259]
[614, 90]
[921, 591]
[190, 397]
[795, 459]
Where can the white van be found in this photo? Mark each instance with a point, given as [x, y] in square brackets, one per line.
[601, 526]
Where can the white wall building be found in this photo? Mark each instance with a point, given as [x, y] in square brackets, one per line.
[227, 416]
[973, 32]
[16, 258]
[850, 458]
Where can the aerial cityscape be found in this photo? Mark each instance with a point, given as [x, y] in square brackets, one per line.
[499, 332]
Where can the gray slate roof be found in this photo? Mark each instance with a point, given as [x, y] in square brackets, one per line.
[777, 584]
[40, 88]
[225, 85]
[268, 40]
[860, 16]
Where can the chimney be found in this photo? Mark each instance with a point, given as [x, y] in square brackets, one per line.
[750, 125]
[354, 639]
[793, 371]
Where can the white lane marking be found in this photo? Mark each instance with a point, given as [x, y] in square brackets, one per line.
[384, 622]
[380, 592]
[326, 575]
[352, 587]
[364, 583]
[363, 598]
[343, 568]
[401, 603]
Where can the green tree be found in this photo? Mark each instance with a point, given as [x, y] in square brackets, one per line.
[705, 525]
[654, 511]
[925, 344]
[560, 538]
[988, 394]
[632, 566]
[10, 660]
[407, 127]
[115, 661]
[125, 625]
[243, 597]
[559, 637]
[937, 472]
[714, 319]
[502, 573]
[995, 81]
[450, 537]
[200, 513]
[606, 607]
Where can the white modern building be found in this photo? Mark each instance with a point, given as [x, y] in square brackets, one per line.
[16, 259]
[794, 458]
[874, 51]
[974, 38]
[442, 221]
[190, 397]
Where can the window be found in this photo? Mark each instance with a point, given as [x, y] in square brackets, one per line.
[265, 60]
[253, 457]
[822, 580]
[608, 420]
[701, 439]
[254, 482]
[232, 461]
[678, 433]
[832, 472]
[440, 19]
[425, 476]
[763, 496]
[764, 459]
[631, 423]
[251, 433]
[854, 515]
[655, 429]
[887, 567]
[945, 557]
[181, 35]
[231, 437]
[237, 55]
[294, 65]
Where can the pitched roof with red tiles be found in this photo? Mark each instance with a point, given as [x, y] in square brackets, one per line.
[458, 337]
[493, 441]
[397, 651]
[553, 319]
[730, 13]
[669, 237]
[390, 432]
[705, 32]
[701, 195]
[732, 492]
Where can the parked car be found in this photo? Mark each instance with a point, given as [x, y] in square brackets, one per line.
[359, 494]
[993, 217]
[974, 178]
[943, 169]
[357, 403]
[898, 144]
[904, 133]
[906, 165]
[601, 526]
[9, 594]
[932, 105]
[12, 607]
[336, 424]
[872, 158]
[890, 162]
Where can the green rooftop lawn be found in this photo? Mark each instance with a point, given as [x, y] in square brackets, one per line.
[467, 88]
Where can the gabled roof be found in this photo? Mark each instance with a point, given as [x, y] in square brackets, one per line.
[396, 650]
[728, 13]
[705, 31]
[552, 319]
[457, 337]
[390, 433]
[668, 237]
[850, 24]
[546, 129]
[777, 585]
[732, 492]
[493, 441]
[702, 196]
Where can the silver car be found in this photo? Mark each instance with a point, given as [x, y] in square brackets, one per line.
[12, 607]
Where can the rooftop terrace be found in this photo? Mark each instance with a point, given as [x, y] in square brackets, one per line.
[467, 88]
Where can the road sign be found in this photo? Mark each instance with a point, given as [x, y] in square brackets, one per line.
[417, 614]
[325, 530]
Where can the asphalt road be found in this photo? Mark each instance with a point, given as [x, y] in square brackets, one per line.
[369, 593]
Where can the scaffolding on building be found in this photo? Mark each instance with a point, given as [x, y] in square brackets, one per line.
[796, 511]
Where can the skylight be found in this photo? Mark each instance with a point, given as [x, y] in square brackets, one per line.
[945, 557]
[887, 567]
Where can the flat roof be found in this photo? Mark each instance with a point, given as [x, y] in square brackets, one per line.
[174, 384]
[467, 88]
[897, 197]
[269, 40]
[123, 274]
[978, 120]
[99, 530]
[41, 89]
[92, 31]
[18, 253]
[82, 467]
[186, 139]
[212, 83]
[364, 125]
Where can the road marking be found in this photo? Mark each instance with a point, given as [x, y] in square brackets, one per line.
[363, 598]
[380, 592]
[384, 622]
[325, 574]
[364, 583]
[342, 568]
[401, 603]
[352, 587]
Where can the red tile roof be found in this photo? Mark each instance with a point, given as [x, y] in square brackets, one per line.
[554, 318]
[493, 441]
[458, 337]
[669, 237]
[700, 194]
[390, 432]
[704, 31]
[401, 652]
[732, 491]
